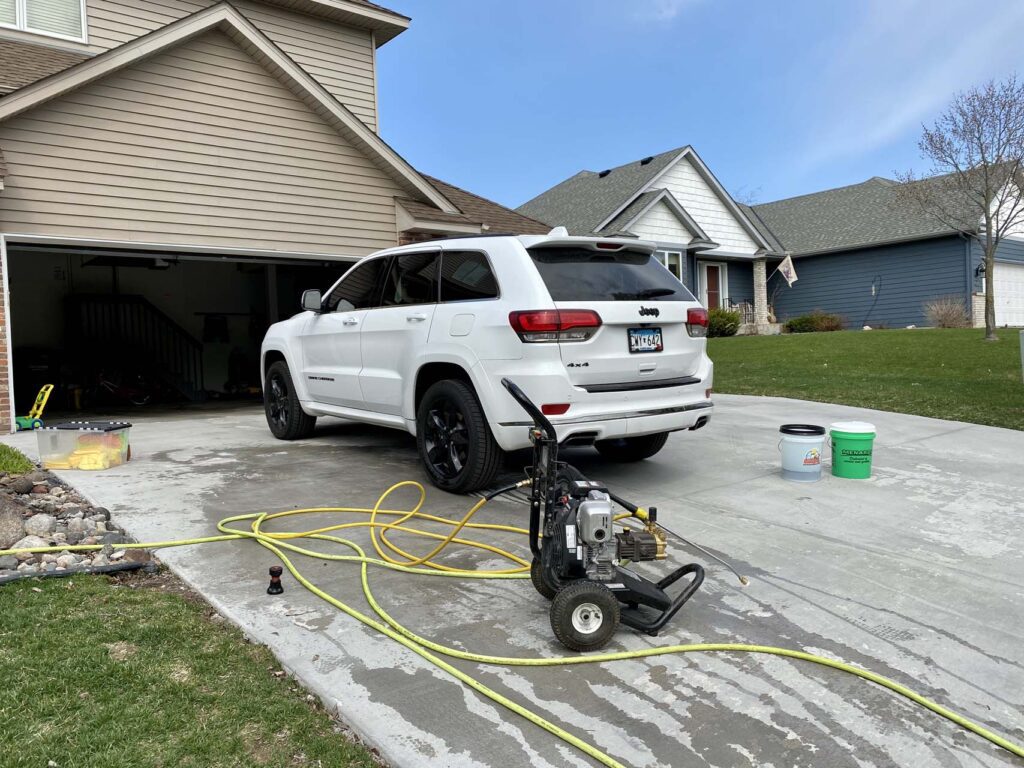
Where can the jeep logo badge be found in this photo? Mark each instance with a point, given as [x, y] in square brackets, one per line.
[649, 312]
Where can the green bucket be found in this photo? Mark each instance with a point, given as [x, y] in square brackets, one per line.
[852, 445]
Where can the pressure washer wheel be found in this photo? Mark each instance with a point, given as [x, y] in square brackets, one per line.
[540, 583]
[584, 615]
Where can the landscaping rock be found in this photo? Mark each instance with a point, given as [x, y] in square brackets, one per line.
[101, 512]
[29, 542]
[39, 476]
[40, 488]
[8, 563]
[12, 527]
[21, 485]
[137, 555]
[67, 561]
[75, 537]
[49, 557]
[41, 525]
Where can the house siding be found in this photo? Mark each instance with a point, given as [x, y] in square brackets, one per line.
[340, 58]
[198, 145]
[1010, 250]
[741, 281]
[908, 275]
[661, 225]
[707, 208]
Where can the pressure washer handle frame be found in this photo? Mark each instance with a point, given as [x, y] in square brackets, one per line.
[539, 419]
[545, 457]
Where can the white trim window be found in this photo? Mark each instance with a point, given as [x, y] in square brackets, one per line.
[714, 284]
[673, 261]
[55, 18]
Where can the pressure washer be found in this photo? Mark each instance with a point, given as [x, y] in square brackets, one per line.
[579, 560]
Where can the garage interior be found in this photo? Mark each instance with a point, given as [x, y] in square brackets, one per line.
[119, 329]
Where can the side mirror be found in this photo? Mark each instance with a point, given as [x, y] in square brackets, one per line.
[312, 301]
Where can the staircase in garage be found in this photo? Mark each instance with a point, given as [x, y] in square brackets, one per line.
[125, 330]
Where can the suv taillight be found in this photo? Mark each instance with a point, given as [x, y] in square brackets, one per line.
[697, 321]
[546, 325]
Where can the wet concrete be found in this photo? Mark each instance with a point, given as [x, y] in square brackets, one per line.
[916, 574]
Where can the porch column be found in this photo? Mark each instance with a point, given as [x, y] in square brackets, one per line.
[761, 295]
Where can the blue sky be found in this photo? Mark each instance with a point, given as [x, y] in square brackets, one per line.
[508, 97]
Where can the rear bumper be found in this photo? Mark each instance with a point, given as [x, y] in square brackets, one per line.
[593, 415]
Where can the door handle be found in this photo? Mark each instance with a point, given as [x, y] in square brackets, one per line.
[350, 321]
[418, 317]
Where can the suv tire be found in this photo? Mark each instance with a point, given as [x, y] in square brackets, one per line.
[632, 448]
[285, 416]
[454, 440]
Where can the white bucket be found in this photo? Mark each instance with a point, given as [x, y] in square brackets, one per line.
[802, 447]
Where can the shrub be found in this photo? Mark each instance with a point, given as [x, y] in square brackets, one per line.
[816, 322]
[947, 312]
[723, 322]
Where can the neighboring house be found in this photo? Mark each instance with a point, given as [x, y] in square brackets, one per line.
[173, 174]
[859, 251]
[864, 253]
[706, 239]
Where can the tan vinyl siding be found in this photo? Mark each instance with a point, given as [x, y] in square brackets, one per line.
[198, 145]
[340, 58]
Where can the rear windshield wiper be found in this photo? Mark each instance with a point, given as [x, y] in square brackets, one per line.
[649, 293]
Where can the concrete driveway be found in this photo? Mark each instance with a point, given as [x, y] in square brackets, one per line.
[917, 574]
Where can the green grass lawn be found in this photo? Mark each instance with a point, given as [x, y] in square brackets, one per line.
[133, 672]
[948, 374]
[14, 461]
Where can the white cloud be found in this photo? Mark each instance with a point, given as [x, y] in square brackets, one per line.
[898, 67]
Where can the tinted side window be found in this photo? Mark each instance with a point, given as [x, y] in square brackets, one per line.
[359, 288]
[412, 279]
[465, 276]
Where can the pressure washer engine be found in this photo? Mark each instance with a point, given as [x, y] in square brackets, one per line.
[579, 560]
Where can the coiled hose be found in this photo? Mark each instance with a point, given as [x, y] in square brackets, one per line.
[425, 565]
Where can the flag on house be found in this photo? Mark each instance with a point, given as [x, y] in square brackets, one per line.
[788, 270]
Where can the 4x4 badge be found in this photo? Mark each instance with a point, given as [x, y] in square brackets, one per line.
[649, 312]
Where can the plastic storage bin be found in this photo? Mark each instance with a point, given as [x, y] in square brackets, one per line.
[84, 445]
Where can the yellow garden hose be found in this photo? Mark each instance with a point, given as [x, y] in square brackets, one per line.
[382, 521]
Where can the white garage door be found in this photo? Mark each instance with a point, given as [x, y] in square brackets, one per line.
[1009, 294]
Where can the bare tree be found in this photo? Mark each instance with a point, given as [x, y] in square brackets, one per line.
[975, 186]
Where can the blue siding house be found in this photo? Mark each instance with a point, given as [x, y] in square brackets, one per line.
[865, 254]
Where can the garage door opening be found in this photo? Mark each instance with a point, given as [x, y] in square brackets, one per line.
[118, 330]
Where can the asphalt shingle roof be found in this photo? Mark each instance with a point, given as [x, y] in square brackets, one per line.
[498, 218]
[23, 63]
[582, 202]
[857, 216]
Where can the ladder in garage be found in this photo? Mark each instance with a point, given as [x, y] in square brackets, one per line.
[112, 329]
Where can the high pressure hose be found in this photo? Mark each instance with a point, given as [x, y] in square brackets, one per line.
[379, 526]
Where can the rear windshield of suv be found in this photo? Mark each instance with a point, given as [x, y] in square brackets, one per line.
[580, 274]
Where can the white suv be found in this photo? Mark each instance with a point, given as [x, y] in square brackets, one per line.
[596, 331]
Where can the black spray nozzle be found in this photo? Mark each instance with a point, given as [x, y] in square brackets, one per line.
[275, 587]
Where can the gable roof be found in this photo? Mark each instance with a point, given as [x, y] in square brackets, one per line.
[225, 18]
[856, 216]
[590, 202]
[497, 218]
[22, 63]
[583, 202]
[643, 203]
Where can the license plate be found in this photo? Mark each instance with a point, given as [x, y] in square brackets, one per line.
[645, 340]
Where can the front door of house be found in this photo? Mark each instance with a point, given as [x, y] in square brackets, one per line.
[713, 285]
